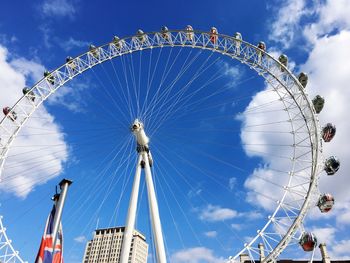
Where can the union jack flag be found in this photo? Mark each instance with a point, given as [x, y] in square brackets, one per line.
[46, 253]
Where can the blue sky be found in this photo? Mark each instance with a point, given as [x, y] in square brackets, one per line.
[206, 180]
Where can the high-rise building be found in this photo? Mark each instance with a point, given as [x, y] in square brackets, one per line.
[106, 245]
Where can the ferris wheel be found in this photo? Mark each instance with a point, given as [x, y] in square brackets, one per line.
[178, 88]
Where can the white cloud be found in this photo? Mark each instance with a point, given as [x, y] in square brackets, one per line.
[340, 250]
[211, 234]
[325, 234]
[71, 97]
[237, 227]
[22, 172]
[216, 213]
[324, 28]
[332, 16]
[329, 69]
[232, 183]
[195, 255]
[80, 239]
[72, 43]
[287, 22]
[233, 73]
[59, 8]
[194, 192]
[30, 69]
[6, 40]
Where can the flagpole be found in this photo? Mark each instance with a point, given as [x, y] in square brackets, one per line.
[64, 184]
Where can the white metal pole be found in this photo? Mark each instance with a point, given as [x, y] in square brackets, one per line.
[64, 184]
[154, 212]
[130, 220]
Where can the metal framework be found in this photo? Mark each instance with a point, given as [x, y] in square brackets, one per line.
[285, 223]
[7, 252]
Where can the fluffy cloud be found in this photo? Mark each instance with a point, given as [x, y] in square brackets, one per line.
[32, 159]
[59, 8]
[216, 213]
[285, 26]
[211, 234]
[72, 43]
[326, 39]
[195, 255]
[80, 239]
[70, 98]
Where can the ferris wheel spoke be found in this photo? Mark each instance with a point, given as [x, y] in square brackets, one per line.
[159, 101]
[108, 161]
[171, 191]
[178, 95]
[175, 109]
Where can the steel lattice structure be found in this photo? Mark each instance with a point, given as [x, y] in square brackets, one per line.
[285, 223]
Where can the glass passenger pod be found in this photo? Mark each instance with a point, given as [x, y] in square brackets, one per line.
[261, 45]
[325, 203]
[165, 33]
[213, 35]
[308, 241]
[11, 115]
[283, 59]
[303, 79]
[318, 103]
[189, 33]
[49, 78]
[94, 51]
[141, 36]
[238, 37]
[332, 165]
[71, 64]
[117, 42]
[28, 93]
[328, 132]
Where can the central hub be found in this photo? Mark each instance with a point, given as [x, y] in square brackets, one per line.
[142, 141]
[139, 132]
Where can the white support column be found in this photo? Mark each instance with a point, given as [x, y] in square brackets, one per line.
[130, 220]
[154, 212]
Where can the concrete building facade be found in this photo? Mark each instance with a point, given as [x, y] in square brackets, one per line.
[106, 244]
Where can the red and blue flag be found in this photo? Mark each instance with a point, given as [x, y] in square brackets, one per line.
[46, 252]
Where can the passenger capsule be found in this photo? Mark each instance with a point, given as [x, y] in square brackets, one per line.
[283, 59]
[308, 241]
[30, 94]
[189, 32]
[238, 36]
[331, 165]
[11, 115]
[94, 51]
[318, 103]
[68, 59]
[117, 42]
[262, 46]
[303, 78]
[325, 203]
[328, 132]
[165, 32]
[213, 35]
[141, 35]
[238, 43]
[50, 78]
[71, 63]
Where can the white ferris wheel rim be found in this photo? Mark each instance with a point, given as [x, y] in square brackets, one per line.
[268, 67]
